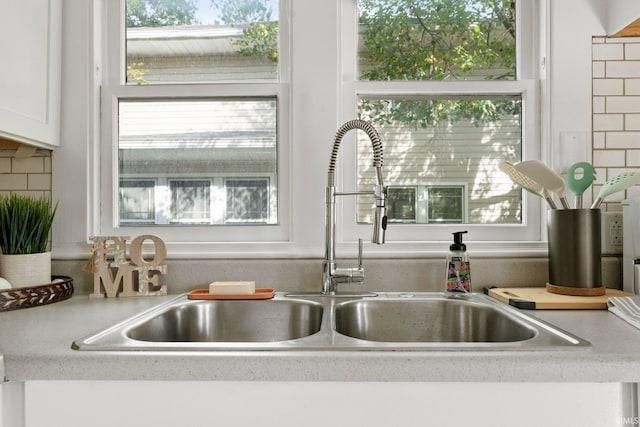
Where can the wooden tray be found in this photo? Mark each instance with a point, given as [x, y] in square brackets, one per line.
[261, 293]
[539, 299]
[33, 296]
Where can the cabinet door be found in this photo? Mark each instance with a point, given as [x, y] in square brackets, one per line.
[295, 404]
[30, 71]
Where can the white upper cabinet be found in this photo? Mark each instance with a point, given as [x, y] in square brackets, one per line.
[30, 71]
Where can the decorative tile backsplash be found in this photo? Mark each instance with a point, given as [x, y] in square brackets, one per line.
[616, 111]
[29, 176]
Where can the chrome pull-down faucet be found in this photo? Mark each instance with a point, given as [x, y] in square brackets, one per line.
[331, 274]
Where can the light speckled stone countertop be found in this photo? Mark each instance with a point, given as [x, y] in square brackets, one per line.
[36, 345]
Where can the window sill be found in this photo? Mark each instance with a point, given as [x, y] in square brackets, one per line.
[275, 250]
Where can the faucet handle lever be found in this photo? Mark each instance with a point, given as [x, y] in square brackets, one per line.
[359, 253]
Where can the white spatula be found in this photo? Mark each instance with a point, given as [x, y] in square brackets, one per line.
[526, 182]
[545, 176]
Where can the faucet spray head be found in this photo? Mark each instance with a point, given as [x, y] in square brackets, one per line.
[380, 215]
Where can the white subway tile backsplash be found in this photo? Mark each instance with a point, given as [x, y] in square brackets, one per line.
[607, 52]
[13, 181]
[5, 165]
[599, 140]
[632, 122]
[623, 104]
[608, 122]
[633, 158]
[622, 69]
[29, 176]
[623, 140]
[615, 112]
[599, 104]
[634, 192]
[608, 87]
[27, 165]
[608, 158]
[632, 51]
[624, 40]
[598, 69]
[632, 86]
[39, 181]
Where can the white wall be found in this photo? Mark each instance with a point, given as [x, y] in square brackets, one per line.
[572, 25]
[71, 161]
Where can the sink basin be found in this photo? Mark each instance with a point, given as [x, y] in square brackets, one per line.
[386, 322]
[183, 324]
[231, 321]
[428, 320]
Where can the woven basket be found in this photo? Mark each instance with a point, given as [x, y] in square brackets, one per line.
[32, 296]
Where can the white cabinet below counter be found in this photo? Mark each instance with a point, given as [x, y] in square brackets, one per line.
[30, 71]
[317, 404]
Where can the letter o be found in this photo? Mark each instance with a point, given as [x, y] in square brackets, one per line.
[160, 251]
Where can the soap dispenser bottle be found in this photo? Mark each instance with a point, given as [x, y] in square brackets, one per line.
[458, 267]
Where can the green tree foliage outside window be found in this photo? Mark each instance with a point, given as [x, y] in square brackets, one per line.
[436, 40]
[259, 26]
[402, 39]
[160, 13]
[412, 40]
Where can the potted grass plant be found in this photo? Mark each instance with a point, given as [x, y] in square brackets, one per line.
[25, 223]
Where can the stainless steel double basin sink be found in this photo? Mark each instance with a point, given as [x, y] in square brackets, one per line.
[388, 321]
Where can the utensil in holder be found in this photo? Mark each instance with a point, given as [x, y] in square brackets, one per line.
[575, 266]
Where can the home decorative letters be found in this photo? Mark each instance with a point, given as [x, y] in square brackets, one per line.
[109, 257]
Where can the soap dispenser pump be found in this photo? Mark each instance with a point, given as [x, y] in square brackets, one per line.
[458, 277]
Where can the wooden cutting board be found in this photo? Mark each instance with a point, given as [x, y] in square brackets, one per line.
[539, 299]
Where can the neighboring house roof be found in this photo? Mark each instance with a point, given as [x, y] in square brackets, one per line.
[182, 40]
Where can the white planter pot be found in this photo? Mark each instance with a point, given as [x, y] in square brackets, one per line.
[26, 270]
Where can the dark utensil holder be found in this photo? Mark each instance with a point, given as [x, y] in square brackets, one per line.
[575, 266]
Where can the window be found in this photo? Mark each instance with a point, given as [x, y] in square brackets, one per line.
[247, 200]
[401, 204]
[198, 138]
[192, 41]
[427, 204]
[220, 145]
[466, 149]
[137, 201]
[190, 201]
[450, 87]
[437, 40]
[445, 204]
[194, 103]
